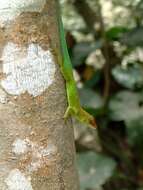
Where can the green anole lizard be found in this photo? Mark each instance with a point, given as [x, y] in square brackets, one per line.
[74, 106]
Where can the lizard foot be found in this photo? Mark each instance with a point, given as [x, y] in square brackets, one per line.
[68, 112]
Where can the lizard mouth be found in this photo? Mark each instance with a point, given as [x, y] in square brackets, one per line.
[93, 123]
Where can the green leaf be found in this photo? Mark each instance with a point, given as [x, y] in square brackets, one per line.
[94, 80]
[126, 106]
[130, 77]
[116, 32]
[133, 38]
[90, 98]
[135, 132]
[94, 105]
[94, 169]
[82, 50]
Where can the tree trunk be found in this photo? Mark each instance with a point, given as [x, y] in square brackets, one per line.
[36, 145]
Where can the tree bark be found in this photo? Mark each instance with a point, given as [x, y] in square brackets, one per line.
[36, 145]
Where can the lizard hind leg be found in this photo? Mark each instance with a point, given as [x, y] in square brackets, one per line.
[69, 112]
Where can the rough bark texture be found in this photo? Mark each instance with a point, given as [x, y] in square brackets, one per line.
[36, 145]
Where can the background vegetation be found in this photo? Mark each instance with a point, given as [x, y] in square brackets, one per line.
[105, 39]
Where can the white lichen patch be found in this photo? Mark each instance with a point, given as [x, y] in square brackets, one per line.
[9, 9]
[3, 97]
[16, 180]
[39, 155]
[19, 146]
[29, 70]
[48, 151]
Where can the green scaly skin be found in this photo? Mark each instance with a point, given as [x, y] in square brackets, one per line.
[74, 107]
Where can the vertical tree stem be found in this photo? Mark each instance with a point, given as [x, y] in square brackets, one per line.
[36, 145]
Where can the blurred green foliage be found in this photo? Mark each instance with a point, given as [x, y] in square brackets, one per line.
[105, 40]
[94, 169]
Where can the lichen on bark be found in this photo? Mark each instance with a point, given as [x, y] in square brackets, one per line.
[36, 144]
